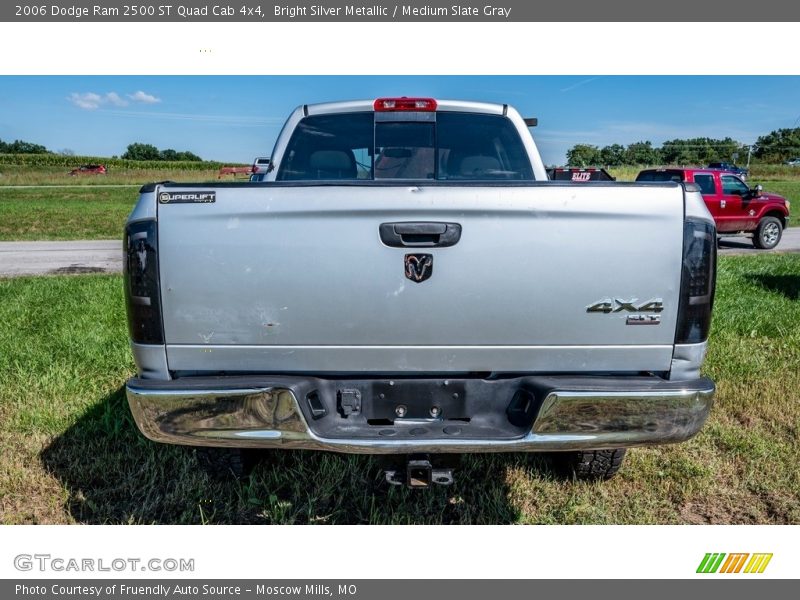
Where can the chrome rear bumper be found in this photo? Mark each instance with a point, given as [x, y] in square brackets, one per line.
[571, 413]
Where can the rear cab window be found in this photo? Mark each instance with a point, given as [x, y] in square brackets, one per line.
[429, 146]
[676, 176]
[325, 147]
[705, 181]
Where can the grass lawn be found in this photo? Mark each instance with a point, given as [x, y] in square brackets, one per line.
[76, 208]
[82, 210]
[761, 173]
[69, 451]
[65, 213]
[789, 190]
[22, 175]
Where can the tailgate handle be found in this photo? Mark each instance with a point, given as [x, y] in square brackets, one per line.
[420, 234]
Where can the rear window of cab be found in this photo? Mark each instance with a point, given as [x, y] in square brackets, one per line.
[438, 146]
[676, 176]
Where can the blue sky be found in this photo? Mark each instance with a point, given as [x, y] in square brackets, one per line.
[235, 118]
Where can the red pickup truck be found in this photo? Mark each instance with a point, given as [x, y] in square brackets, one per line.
[89, 170]
[736, 208]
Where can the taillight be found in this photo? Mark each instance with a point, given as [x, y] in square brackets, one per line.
[142, 294]
[698, 280]
[405, 104]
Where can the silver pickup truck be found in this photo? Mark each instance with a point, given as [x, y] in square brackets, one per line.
[407, 282]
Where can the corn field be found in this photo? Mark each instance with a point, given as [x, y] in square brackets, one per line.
[70, 162]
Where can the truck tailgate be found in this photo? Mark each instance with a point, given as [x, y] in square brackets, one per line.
[277, 278]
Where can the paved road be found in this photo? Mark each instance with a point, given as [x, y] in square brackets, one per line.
[52, 258]
[790, 242]
[105, 256]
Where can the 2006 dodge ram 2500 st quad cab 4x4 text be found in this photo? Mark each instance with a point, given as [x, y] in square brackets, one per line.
[407, 282]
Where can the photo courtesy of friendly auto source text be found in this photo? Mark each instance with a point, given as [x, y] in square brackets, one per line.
[234, 293]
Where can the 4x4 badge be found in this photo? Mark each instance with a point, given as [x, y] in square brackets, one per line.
[610, 305]
[419, 267]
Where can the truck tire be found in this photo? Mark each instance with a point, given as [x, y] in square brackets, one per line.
[590, 465]
[226, 463]
[768, 233]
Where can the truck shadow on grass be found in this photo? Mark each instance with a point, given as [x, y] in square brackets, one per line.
[788, 285]
[114, 475]
[737, 243]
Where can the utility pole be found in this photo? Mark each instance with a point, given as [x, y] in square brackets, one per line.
[749, 150]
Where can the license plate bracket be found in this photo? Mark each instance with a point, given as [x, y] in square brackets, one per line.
[435, 399]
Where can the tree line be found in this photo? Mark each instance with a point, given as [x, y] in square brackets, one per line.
[21, 147]
[135, 151]
[776, 147]
[139, 151]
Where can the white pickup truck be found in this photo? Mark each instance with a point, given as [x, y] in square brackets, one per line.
[406, 281]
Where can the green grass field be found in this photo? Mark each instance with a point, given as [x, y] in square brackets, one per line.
[788, 189]
[69, 451]
[93, 212]
[760, 173]
[65, 213]
[75, 208]
[11, 175]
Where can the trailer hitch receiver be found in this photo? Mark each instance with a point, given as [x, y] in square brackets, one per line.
[420, 473]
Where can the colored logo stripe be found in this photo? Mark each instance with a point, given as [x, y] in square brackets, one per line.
[710, 562]
[758, 563]
[734, 563]
[713, 562]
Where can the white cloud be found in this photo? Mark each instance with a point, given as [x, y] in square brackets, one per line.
[87, 101]
[93, 101]
[144, 98]
[115, 99]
